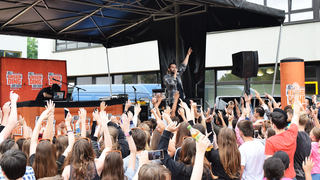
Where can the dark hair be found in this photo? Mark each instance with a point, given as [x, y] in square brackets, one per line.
[271, 132]
[13, 163]
[45, 161]
[55, 87]
[153, 171]
[61, 145]
[154, 123]
[260, 111]
[284, 157]
[309, 126]
[6, 145]
[234, 123]
[20, 143]
[113, 167]
[169, 66]
[139, 138]
[288, 107]
[316, 132]
[175, 119]
[279, 120]
[246, 127]
[181, 133]
[200, 127]
[273, 168]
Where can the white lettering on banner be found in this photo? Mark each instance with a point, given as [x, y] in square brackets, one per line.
[14, 79]
[55, 76]
[35, 80]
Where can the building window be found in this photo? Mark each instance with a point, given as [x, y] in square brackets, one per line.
[84, 80]
[62, 45]
[4, 53]
[296, 10]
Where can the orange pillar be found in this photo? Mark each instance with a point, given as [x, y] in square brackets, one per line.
[291, 70]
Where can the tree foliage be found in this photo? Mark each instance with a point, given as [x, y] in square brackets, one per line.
[32, 48]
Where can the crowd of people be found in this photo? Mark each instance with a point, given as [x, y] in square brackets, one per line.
[242, 141]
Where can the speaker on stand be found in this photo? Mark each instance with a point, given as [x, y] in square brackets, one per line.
[245, 65]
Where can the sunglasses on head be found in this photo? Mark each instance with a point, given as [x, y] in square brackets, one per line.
[114, 151]
[83, 138]
[50, 140]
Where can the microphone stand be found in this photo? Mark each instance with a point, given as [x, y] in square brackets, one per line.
[70, 85]
[124, 86]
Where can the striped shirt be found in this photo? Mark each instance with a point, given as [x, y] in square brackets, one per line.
[28, 175]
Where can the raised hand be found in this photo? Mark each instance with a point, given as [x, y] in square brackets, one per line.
[50, 105]
[95, 115]
[203, 144]
[22, 121]
[103, 119]
[160, 126]
[137, 109]
[103, 106]
[143, 158]
[13, 97]
[45, 114]
[125, 126]
[307, 165]
[167, 110]
[128, 105]
[82, 115]
[181, 112]
[172, 127]
[189, 51]
[68, 119]
[296, 88]
[6, 108]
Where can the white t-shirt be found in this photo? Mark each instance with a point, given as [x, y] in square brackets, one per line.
[252, 158]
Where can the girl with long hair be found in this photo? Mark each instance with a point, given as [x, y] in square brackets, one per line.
[113, 164]
[225, 161]
[81, 163]
[42, 155]
[183, 168]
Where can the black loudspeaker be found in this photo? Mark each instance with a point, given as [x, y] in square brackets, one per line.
[245, 64]
[144, 113]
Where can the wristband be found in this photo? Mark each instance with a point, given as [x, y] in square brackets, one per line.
[128, 134]
[272, 101]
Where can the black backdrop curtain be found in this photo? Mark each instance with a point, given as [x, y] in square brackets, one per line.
[192, 34]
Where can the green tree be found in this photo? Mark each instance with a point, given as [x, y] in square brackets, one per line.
[32, 48]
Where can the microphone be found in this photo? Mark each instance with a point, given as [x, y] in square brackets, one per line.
[134, 88]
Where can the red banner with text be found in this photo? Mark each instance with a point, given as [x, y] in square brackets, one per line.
[27, 77]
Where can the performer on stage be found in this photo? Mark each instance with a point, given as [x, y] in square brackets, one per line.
[47, 92]
[172, 80]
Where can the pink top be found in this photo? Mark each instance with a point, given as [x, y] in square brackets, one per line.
[315, 158]
[239, 139]
[281, 179]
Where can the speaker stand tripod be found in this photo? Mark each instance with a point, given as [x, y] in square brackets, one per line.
[247, 86]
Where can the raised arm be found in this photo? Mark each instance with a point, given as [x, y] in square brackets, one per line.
[25, 129]
[12, 121]
[296, 108]
[70, 133]
[133, 150]
[137, 110]
[82, 117]
[186, 59]
[175, 104]
[34, 138]
[48, 132]
[222, 120]
[103, 120]
[237, 108]
[275, 104]
[6, 112]
[197, 170]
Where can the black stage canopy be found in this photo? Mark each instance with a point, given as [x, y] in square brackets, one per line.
[176, 24]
